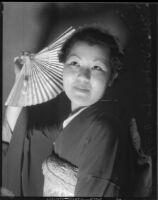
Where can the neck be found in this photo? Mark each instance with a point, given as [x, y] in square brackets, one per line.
[75, 108]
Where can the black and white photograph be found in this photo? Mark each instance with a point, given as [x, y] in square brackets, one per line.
[79, 99]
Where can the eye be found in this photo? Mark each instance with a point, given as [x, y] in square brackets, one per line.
[74, 63]
[97, 68]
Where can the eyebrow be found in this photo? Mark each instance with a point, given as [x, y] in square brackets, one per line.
[105, 61]
[71, 55]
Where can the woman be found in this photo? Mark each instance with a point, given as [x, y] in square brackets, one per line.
[88, 134]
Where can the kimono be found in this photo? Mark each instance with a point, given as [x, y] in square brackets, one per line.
[95, 149]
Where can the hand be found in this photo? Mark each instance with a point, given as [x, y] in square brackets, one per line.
[18, 64]
[143, 185]
[19, 61]
[136, 141]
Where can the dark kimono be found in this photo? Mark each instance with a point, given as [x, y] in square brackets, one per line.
[96, 142]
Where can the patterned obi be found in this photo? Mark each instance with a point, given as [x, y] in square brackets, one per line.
[60, 177]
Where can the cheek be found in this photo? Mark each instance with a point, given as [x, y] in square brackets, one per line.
[67, 77]
[99, 87]
[100, 83]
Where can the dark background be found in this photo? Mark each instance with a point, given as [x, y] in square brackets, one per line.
[30, 26]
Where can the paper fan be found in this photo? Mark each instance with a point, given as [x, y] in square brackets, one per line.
[40, 78]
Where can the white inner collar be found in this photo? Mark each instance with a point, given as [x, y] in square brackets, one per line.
[69, 119]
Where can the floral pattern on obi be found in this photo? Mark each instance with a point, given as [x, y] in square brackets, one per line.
[60, 177]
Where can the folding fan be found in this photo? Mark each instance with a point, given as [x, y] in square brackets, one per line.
[40, 78]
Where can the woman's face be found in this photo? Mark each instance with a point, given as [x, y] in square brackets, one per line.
[86, 74]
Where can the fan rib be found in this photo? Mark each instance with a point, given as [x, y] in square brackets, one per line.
[41, 76]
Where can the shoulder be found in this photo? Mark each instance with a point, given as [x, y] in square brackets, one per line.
[109, 109]
[108, 118]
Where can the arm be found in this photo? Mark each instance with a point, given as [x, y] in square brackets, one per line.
[10, 119]
[12, 113]
[9, 122]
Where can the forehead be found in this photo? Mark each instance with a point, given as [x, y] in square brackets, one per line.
[85, 49]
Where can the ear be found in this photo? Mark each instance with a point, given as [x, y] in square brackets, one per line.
[114, 76]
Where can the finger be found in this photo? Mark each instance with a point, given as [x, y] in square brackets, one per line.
[19, 62]
[134, 128]
[19, 58]
[135, 134]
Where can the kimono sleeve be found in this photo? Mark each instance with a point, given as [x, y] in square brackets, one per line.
[11, 161]
[97, 170]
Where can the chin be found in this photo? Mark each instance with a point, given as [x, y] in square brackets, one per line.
[81, 99]
[82, 102]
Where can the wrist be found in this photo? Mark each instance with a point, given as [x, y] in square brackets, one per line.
[12, 114]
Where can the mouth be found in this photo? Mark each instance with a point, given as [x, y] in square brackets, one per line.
[82, 89]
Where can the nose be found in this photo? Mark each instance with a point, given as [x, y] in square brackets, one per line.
[84, 73]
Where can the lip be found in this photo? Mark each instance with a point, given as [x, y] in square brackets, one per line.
[81, 89]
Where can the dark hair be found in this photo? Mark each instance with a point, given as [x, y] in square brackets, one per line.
[95, 35]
